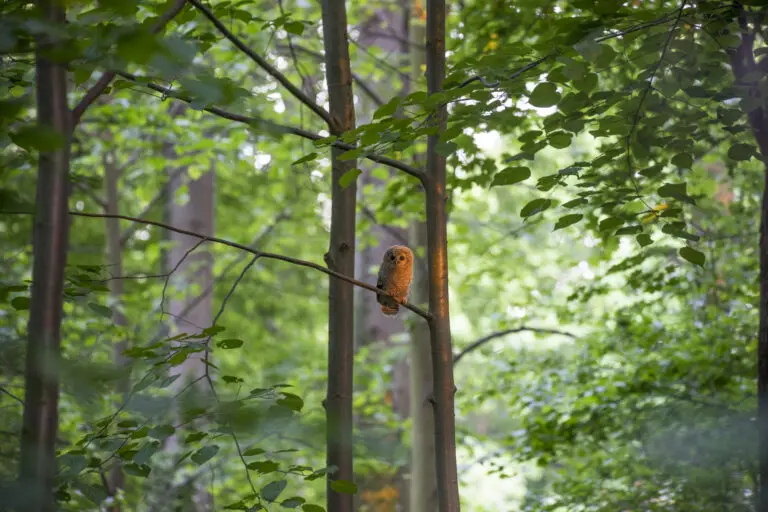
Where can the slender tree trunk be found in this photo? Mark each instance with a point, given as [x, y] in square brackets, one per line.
[115, 263]
[372, 326]
[423, 479]
[194, 276]
[341, 258]
[745, 72]
[51, 234]
[437, 257]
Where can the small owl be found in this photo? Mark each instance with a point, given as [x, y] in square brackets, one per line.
[395, 276]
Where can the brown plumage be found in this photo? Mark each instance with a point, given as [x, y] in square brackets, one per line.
[395, 276]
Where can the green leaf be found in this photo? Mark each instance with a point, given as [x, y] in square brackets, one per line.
[231, 379]
[678, 229]
[741, 152]
[692, 255]
[610, 223]
[629, 230]
[312, 508]
[162, 432]
[204, 454]
[567, 220]
[682, 160]
[291, 401]
[294, 27]
[544, 95]
[510, 176]
[230, 343]
[101, 310]
[349, 177]
[445, 149]
[20, 303]
[264, 466]
[82, 75]
[195, 436]
[388, 108]
[676, 191]
[575, 202]
[344, 487]
[272, 490]
[534, 207]
[253, 451]
[306, 158]
[137, 470]
[38, 138]
[559, 140]
[644, 239]
[146, 452]
[213, 330]
[294, 502]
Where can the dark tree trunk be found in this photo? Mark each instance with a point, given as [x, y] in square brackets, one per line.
[341, 258]
[437, 256]
[745, 72]
[51, 233]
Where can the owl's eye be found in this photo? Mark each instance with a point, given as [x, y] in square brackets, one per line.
[392, 257]
[402, 258]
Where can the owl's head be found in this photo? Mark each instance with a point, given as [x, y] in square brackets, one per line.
[398, 255]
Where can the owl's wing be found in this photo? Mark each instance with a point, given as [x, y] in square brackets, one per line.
[380, 286]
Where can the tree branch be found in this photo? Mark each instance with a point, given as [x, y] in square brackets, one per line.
[360, 81]
[268, 255]
[99, 87]
[266, 66]
[152, 203]
[485, 339]
[256, 122]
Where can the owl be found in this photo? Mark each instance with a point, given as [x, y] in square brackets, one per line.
[395, 276]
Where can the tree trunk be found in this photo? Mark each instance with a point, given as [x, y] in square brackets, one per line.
[437, 257]
[423, 479]
[194, 276]
[341, 258]
[50, 240]
[745, 72]
[115, 265]
[372, 326]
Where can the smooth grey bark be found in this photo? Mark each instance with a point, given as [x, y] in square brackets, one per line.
[50, 241]
[340, 258]
[423, 474]
[115, 265]
[385, 29]
[190, 284]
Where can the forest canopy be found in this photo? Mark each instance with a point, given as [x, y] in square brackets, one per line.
[196, 197]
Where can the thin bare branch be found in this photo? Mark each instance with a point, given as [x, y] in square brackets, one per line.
[266, 66]
[360, 81]
[257, 122]
[485, 339]
[152, 203]
[268, 255]
[6, 392]
[101, 85]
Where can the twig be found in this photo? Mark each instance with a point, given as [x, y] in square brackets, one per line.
[6, 392]
[152, 203]
[99, 87]
[360, 81]
[485, 339]
[527, 67]
[207, 342]
[636, 118]
[189, 251]
[255, 122]
[302, 263]
[266, 66]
